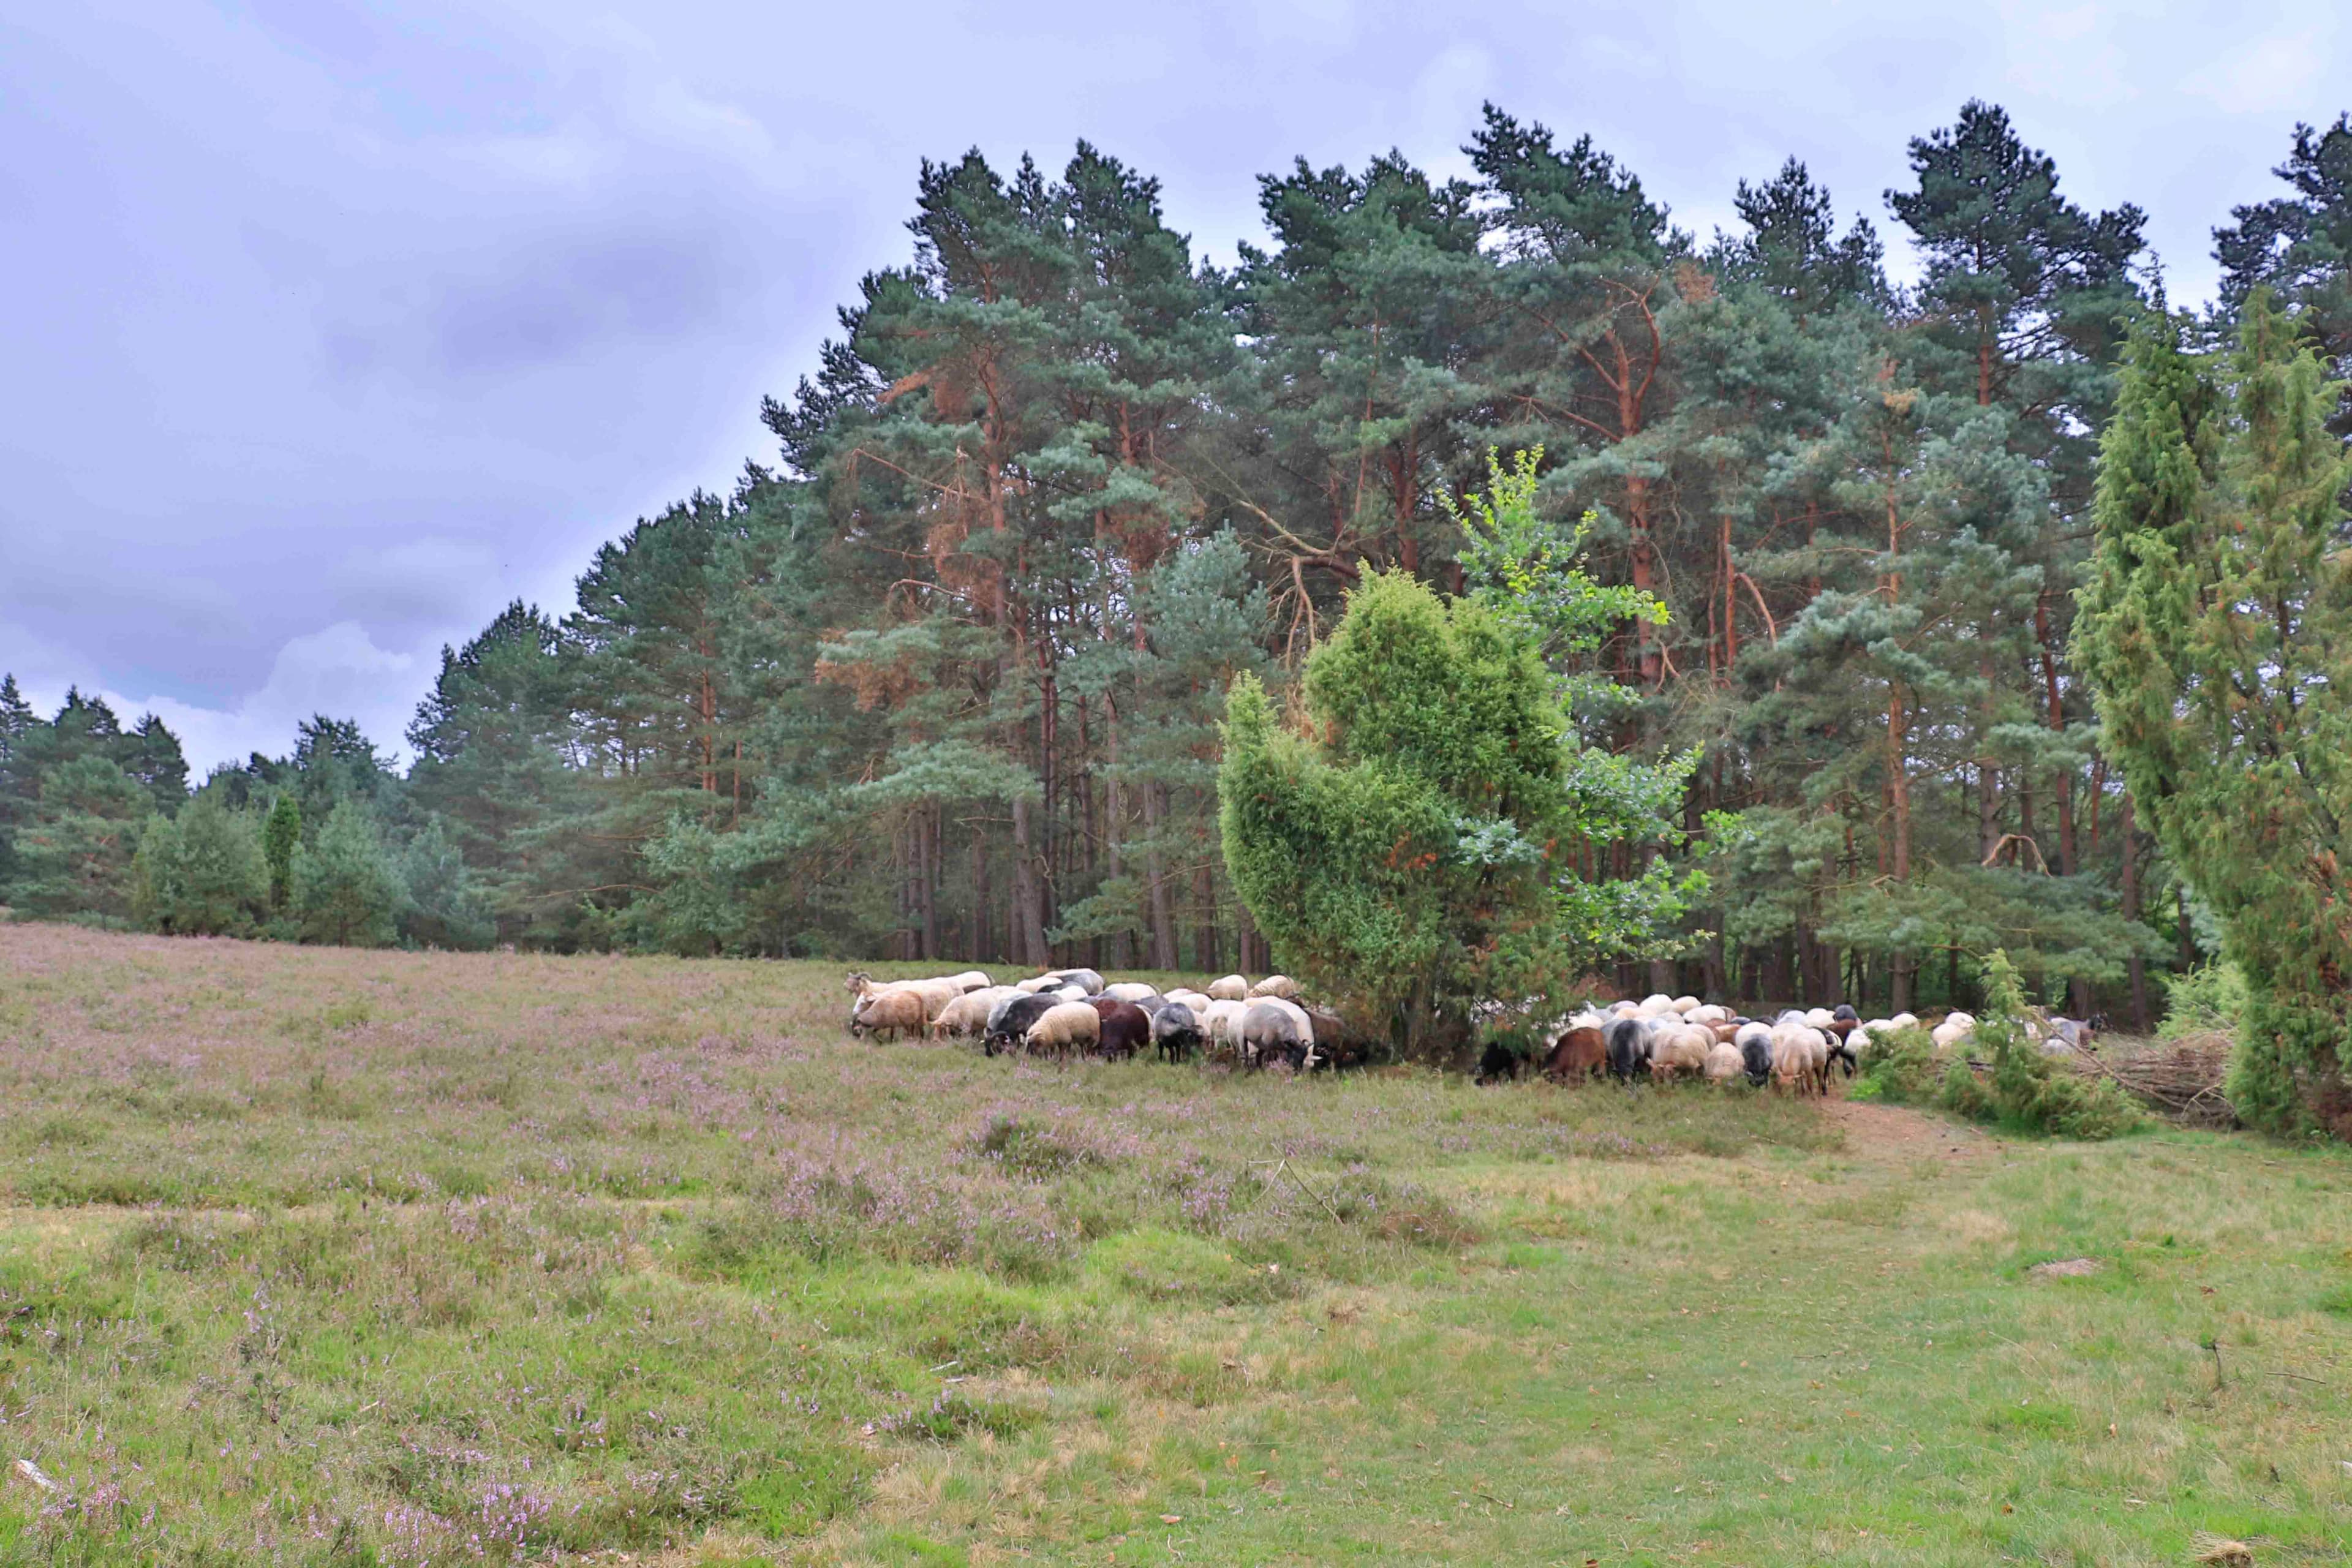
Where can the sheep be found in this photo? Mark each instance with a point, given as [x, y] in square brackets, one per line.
[1754, 1040]
[1232, 988]
[1220, 1021]
[1125, 1027]
[1578, 1052]
[1680, 1050]
[1905, 1020]
[1176, 1033]
[969, 1014]
[1195, 1000]
[1726, 1030]
[1064, 1029]
[1278, 985]
[1331, 1044]
[973, 980]
[1277, 1029]
[1658, 1005]
[1708, 1014]
[1956, 1029]
[1040, 981]
[1723, 1062]
[1685, 1006]
[1629, 1048]
[1818, 1017]
[935, 994]
[1130, 991]
[1840, 1052]
[1857, 1044]
[899, 1012]
[1792, 1057]
[1009, 1021]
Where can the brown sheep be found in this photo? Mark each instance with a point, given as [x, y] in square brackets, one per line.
[1125, 1027]
[899, 1012]
[1579, 1053]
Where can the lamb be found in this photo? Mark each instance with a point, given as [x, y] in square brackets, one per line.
[899, 1012]
[1275, 1029]
[1232, 988]
[1125, 1027]
[1130, 991]
[1723, 1062]
[1578, 1052]
[1629, 1048]
[1065, 1028]
[1278, 985]
[1176, 1032]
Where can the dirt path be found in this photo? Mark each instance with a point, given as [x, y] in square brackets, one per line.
[1897, 1132]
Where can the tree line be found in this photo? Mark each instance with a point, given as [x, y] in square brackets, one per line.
[946, 679]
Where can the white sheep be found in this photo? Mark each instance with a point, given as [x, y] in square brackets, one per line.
[1230, 988]
[1685, 1006]
[1068, 1029]
[1279, 985]
[1725, 1062]
[972, 980]
[1130, 991]
[1956, 1028]
[969, 1014]
[1679, 1049]
[1195, 1000]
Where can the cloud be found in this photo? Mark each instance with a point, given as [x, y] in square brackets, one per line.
[337, 670]
[2266, 72]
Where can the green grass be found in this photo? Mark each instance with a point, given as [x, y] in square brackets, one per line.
[339, 1257]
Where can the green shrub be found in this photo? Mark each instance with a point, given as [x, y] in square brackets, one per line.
[2209, 1000]
[1900, 1068]
[2025, 1089]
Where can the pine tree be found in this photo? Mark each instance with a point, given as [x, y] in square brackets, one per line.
[2214, 631]
[151, 754]
[2300, 246]
[346, 890]
[73, 856]
[442, 905]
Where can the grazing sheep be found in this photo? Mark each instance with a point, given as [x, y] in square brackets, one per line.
[1039, 983]
[1905, 1020]
[1723, 1062]
[1176, 1033]
[1578, 1052]
[1818, 1017]
[1195, 1000]
[1629, 1048]
[1278, 985]
[969, 1014]
[1755, 1042]
[1857, 1044]
[1840, 1052]
[935, 994]
[1332, 1047]
[1680, 1050]
[1066, 1028]
[1708, 1014]
[1009, 1021]
[972, 980]
[1125, 1027]
[1273, 1029]
[1130, 991]
[1685, 1006]
[898, 1012]
[1231, 988]
[1220, 1021]
[1658, 1005]
[1956, 1029]
[1726, 1030]
[1792, 1057]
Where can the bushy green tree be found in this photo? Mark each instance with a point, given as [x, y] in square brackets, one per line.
[2217, 630]
[443, 904]
[1412, 844]
[346, 889]
[201, 873]
[73, 856]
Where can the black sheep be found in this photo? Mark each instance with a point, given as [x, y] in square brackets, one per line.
[1175, 1032]
[1005, 1029]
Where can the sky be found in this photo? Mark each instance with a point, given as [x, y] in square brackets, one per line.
[327, 329]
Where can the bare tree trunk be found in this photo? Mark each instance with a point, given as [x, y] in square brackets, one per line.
[982, 949]
[1163, 924]
[1204, 905]
[1898, 794]
[1028, 897]
[928, 823]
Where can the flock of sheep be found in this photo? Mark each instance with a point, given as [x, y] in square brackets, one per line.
[1072, 1012]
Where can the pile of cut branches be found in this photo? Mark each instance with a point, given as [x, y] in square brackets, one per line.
[2180, 1078]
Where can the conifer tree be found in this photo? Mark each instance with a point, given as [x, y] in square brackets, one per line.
[201, 873]
[2214, 631]
[2300, 246]
[282, 835]
[73, 855]
[346, 889]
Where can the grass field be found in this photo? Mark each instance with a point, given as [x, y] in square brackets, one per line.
[334, 1256]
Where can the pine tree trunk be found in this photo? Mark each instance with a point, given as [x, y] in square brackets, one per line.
[1205, 904]
[983, 949]
[929, 824]
[1899, 792]
[1163, 924]
[1028, 897]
